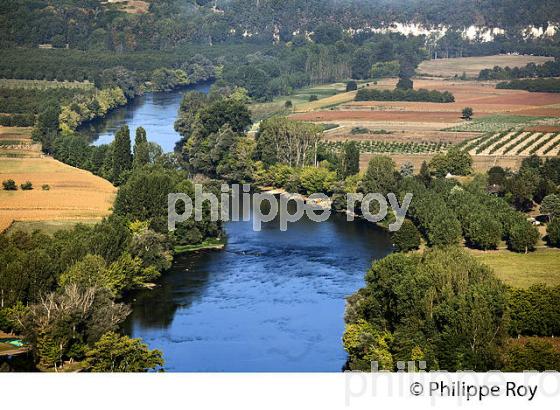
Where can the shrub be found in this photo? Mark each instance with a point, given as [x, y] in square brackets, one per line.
[288, 104]
[46, 187]
[9, 185]
[27, 186]
[313, 97]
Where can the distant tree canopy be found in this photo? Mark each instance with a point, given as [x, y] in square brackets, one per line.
[547, 85]
[399, 94]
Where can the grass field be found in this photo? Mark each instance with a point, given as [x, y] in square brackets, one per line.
[524, 270]
[73, 194]
[471, 66]
[299, 99]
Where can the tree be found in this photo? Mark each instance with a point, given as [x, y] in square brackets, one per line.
[496, 176]
[61, 324]
[351, 86]
[522, 236]
[405, 84]
[380, 177]
[327, 33]
[482, 230]
[522, 188]
[9, 185]
[281, 140]
[467, 113]
[316, 180]
[88, 272]
[551, 206]
[407, 169]
[407, 238]
[425, 175]
[114, 353]
[553, 233]
[350, 161]
[454, 162]
[122, 156]
[141, 149]
[444, 229]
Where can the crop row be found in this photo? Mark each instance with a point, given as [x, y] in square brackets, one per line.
[512, 143]
[396, 147]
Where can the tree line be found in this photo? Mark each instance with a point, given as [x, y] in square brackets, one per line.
[531, 70]
[545, 85]
[365, 94]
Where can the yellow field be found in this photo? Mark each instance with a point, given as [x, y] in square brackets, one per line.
[471, 66]
[74, 194]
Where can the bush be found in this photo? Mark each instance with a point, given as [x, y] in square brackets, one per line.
[46, 187]
[9, 185]
[27, 186]
[313, 97]
[288, 104]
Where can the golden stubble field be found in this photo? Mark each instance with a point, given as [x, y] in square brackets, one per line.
[471, 66]
[74, 194]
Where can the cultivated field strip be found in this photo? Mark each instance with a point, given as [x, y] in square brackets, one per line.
[385, 147]
[551, 138]
[515, 143]
[511, 146]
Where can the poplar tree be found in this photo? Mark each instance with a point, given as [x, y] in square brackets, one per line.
[122, 157]
[141, 148]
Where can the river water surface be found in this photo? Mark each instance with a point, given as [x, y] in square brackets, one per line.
[270, 301]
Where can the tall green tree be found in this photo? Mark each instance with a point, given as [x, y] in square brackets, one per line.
[350, 163]
[122, 155]
[141, 149]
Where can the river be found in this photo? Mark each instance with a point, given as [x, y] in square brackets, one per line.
[271, 301]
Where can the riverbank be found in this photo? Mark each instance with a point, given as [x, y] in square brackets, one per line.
[208, 244]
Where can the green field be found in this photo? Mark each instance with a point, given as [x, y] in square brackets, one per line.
[298, 98]
[524, 270]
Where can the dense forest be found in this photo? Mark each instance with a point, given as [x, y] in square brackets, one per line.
[90, 24]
